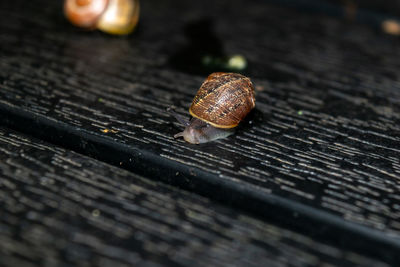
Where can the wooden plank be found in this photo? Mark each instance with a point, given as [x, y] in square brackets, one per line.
[374, 13]
[322, 145]
[60, 208]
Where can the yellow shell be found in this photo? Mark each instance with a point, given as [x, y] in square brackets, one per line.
[120, 17]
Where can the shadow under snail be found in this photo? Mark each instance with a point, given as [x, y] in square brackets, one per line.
[111, 16]
[223, 100]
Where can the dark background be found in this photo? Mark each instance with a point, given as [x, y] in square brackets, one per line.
[90, 173]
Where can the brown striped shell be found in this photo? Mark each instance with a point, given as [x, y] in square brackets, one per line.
[223, 100]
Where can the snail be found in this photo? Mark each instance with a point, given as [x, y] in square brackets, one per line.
[222, 101]
[111, 16]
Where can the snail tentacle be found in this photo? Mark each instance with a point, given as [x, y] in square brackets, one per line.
[181, 119]
[222, 101]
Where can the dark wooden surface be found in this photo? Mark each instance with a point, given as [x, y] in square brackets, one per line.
[62, 208]
[319, 155]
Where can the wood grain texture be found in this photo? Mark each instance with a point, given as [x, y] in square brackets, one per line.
[323, 140]
[59, 208]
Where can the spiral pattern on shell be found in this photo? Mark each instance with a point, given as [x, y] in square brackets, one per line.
[223, 100]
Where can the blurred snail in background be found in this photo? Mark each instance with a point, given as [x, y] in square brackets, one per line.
[223, 100]
[111, 16]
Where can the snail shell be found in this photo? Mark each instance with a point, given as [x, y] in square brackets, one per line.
[223, 100]
[84, 13]
[120, 17]
[111, 16]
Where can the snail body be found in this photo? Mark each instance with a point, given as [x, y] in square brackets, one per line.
[198, 132]
[223, 100]
[111, 16]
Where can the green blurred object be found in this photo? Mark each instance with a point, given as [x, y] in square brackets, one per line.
[232, 63]
[237, 62]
